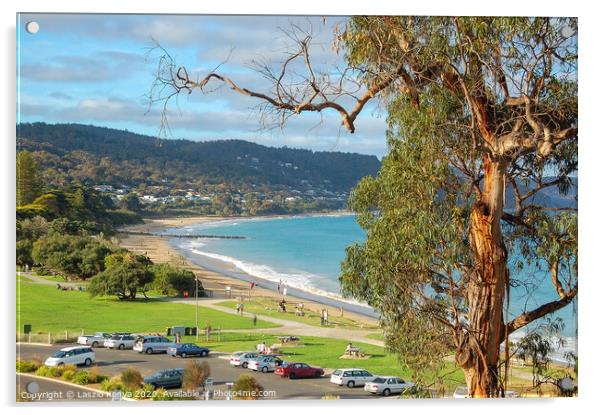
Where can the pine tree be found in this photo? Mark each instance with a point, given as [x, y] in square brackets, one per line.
[29, 180]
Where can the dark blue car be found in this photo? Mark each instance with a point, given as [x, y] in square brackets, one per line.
[187, 349]
[167, 378]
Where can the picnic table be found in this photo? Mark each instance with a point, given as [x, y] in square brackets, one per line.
[354, 352]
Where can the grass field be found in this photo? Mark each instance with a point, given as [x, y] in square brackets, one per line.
[268, 307]
[323, 352]
[50, 310]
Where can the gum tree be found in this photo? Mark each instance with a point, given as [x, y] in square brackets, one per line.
[482, 117]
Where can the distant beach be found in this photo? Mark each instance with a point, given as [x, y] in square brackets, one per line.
[216, 275]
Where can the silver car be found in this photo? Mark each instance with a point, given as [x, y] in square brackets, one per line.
[120, 341]
[386, 385]
[265, 363]
[152, 344]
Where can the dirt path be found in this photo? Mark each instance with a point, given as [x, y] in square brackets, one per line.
[41, 280]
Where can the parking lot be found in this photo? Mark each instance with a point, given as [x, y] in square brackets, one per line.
[113, 362]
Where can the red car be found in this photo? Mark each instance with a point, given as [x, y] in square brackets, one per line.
[299, 370]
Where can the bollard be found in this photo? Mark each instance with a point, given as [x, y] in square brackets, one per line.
[49, 339]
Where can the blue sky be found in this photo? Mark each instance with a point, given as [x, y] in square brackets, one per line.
[95, 69]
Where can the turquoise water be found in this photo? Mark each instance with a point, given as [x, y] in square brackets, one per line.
[305, 252]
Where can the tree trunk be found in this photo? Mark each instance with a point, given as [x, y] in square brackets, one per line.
[478, 353]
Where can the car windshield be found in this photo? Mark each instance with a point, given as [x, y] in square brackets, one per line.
[60, 353]
[115, 337]
[379, 380]
[337, 372]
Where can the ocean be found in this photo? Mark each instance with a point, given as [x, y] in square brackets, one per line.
[304, 254]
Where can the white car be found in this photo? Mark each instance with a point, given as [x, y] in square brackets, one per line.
[75, 355]
[242, 359]
[264, 363]
[152, 344]
[120, 341]
[461, 392]
[95, 340]
[386, 385]
[351, 377]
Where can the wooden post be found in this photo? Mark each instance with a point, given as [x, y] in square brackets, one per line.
[66, 335]
[49, 338]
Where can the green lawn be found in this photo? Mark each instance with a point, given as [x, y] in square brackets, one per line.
[376, 336]
[268, 307]
[323, 352]
[50, 310]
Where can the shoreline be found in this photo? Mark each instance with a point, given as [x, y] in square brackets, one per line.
[215, 278]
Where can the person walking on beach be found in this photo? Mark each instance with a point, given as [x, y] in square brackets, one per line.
[279, 285]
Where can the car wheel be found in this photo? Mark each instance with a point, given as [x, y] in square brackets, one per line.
[351, 384]
[60, 364]
[386, 392]
[292, 376]
[149, 351]
[94, 344]
[88, 362]
[204, 353]
[318, 374]
[245, 365]
[264, 369]
[121, 346]
[183, 355]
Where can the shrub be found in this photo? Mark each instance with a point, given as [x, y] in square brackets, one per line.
[246, 388]
[131, 379]
[112, 384]
[44, 371]
[161, 395]
[68, 375]
[195, 375]
[82, 377]
[27, 366]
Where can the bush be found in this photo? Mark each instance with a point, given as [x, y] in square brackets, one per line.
[161, 395]
[82, 377]
[68, 375]
[195, 375]
[131, 379]
[110, 385]
[45, 371]
[247, 388]
[27, 366]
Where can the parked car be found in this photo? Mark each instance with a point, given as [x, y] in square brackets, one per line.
[242, 359]
[152, 344]
[351, 377]
[386, 385]
[299, 370]
[166, 378]
[94, 340]
[265, 363]
[120, 341]
[107, 340]
[74, 355]
[187, 349]
[461, 392]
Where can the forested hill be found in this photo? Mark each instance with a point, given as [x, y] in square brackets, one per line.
[90, 154]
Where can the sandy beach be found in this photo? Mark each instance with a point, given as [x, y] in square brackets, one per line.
[158, 249]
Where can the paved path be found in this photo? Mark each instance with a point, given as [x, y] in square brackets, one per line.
[291, 327]
[41, 280]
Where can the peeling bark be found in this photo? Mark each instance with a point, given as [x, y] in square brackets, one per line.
[479, 354]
